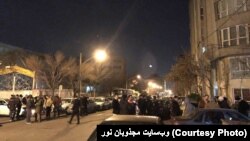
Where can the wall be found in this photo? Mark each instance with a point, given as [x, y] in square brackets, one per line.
[64, 93]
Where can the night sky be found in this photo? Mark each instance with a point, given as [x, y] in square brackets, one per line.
[144, 32]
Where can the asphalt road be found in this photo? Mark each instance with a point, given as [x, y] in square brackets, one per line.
[52, 130]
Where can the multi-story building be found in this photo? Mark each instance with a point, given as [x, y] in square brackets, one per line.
[220, 35]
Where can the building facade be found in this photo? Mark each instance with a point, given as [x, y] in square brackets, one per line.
[220, 35]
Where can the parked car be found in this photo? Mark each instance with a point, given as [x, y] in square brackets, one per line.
[210, 117]
[127, 120]
[67, 104]
[4, 110]
[103, 103]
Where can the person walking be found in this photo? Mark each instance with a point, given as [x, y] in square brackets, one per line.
[75, 110]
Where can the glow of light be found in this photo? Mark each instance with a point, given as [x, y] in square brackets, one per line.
[138, 76]
[150, 66]
[100, 55]
[203, 49]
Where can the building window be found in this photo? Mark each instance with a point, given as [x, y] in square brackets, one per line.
[228, 7]
[236, 35]
[202, 13]
[243, 93]
[240, 67]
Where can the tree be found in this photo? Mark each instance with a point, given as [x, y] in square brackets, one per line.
[189, 74]
[35, 63]
[72, 78]
[183, 74]
[51, 69]
[94, 73]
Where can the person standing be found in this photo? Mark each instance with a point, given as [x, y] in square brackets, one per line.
[203, 103]
[175, 107]
[123, 104]
[57, 104]
[29, 106]
[116, 106]
[18, 106]
[75, 110]
[39, 107]
[243, 107]
[131, 106]
[189, 107]
[142, 105]
[48, 105]
[12, 107]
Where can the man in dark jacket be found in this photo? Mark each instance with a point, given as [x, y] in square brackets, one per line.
[18, 106]
[30, 104]
[76, 110]
[116, 105]
[123, 105]
[243, 107]
[12, 107]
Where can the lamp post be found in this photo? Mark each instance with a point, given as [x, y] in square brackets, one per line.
[99, 55]
[137, 77]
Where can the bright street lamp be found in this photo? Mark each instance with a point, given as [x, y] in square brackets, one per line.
[100, 55]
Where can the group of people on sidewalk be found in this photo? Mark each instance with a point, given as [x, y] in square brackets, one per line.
[39, 105]
[145, 105]
[219, 102]
[165, 109]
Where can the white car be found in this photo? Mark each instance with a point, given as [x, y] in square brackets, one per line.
[67, 104]
[4, 110]
[103, 103]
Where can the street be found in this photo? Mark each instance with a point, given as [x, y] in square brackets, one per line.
[53, 130]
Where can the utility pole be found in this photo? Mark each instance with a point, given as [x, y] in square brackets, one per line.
[80, 77]
[201, 60]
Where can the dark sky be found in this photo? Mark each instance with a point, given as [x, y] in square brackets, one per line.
[144, 32]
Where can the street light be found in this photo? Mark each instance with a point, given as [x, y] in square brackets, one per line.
[137, 77]
[99, 55]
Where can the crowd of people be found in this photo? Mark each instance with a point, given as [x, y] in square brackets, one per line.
[146, 105]
[40, 104]
[171, 107]
[124, 105]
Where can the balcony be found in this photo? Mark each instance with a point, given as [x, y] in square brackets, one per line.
[214, 53]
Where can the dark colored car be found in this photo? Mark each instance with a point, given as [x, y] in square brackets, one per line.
[127, 120]
[210, 117]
